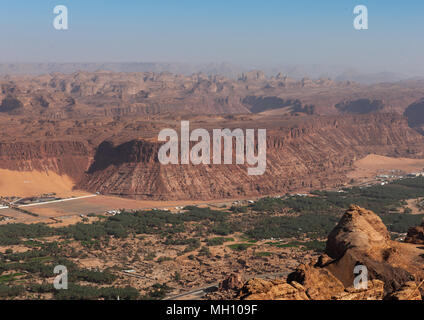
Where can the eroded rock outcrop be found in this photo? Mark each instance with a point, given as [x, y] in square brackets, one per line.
[409, 291]
[319, 283]
[313, 153]
[258, 289]
[374, 291]
[416, 235]
[358, 228]
[394, 270]
[362, 239]
[232, 283]
[69, 158]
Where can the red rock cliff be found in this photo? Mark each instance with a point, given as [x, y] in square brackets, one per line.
[312, 155]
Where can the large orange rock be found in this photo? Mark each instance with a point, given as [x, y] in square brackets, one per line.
[374, 291]
[409, 291]
[233, 282]
[358, 228]
[393, 270]
[416, 235]
[258, 289]
[319, 283]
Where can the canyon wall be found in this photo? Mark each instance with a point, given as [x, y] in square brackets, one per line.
[69, 158]
[312, 155]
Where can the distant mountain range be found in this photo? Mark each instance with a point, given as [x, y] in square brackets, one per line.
[338, 73]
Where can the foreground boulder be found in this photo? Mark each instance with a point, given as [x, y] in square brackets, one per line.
[361, 238]
[394, 270]
[358, 228]
[258, 289]
[374, 291]
[416, 235]
[392, 276]
[233, 283]
[409, 291]
[319, 283]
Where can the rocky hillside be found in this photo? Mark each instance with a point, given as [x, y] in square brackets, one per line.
[69, 158]
[119, 156]
[100, 128]
[416, 235]
[106, 93]
[395, 270]
[312, 154]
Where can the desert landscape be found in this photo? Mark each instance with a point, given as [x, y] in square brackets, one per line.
[210, 158]
[81, 185]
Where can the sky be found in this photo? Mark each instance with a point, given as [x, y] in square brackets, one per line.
[258, 32]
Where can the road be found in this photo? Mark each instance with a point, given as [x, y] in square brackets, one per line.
[56, 201]
[198, 293]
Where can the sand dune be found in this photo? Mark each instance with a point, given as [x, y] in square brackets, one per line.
[374, 164]
[25, 183]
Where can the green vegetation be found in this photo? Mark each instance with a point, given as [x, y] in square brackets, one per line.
[263, 254]
[119, 226]
[296, 204]
[11, 234]
[314, 245]
[239, 209]
[76, 292]
[316, 216]
[401, 222]
[240, 246]
[163, 259]
[10, 292]
[218, 241]
[40, 263]
[314, 225]
[157, 292]
[191, 243]
[9, 277]
[312, 216]
[204, 251]
[291, 217]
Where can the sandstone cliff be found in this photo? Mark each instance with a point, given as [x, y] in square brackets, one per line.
[105, 93]
[310, 155]
[416, 235]
[395, 270]
[69, 158]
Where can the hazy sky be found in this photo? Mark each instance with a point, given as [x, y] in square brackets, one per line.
[241, 32]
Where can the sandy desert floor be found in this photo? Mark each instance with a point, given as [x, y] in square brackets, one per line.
[373, 165]
[26, 184]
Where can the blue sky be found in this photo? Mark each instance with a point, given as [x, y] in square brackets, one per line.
[235, 31]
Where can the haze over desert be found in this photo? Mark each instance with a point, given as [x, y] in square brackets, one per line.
[212, 159]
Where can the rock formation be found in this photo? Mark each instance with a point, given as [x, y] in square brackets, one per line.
[146, 93]
[395, 270]
[101, 129]
[258, 289]
[234, 282]
[358, 229]
[416, 235]
[307, 156]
